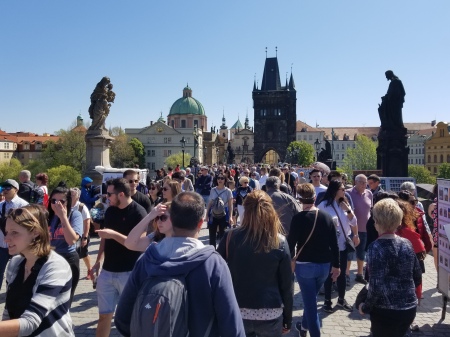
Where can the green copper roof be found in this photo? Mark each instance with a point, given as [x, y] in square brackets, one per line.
[237, 125]
[187, 105]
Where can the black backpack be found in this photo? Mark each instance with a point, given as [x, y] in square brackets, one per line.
[218, 207]
[31, 193]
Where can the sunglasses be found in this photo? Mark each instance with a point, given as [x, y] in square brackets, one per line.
[245, 182]
[165, 189]
[220, 178]
[153, 188]
[162, 218]
[110, 193]
[54, 201]
[7, 188]
[133, 181]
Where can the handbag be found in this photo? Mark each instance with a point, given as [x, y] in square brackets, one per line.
[349, 244]
[300, 250]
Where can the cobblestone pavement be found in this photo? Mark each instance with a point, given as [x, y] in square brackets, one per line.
[340, 323]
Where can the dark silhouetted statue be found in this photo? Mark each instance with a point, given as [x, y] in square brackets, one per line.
[390, 109]
[101, 99]
[392, 150]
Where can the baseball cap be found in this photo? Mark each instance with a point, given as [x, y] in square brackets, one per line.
[204, 168]
[11, 182]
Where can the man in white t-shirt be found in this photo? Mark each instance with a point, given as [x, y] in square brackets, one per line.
[316, 177]
[82, 208]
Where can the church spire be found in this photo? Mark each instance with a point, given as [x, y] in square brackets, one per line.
[291, 82]
[223, 126]
[246, 122]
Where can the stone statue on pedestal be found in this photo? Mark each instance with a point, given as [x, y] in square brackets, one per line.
[98, 140]
[392, 150]
[390, 109]
[101, 99]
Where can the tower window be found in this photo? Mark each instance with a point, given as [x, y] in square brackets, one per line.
[183, 124]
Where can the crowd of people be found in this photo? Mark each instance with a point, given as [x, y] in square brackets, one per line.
[265, 224]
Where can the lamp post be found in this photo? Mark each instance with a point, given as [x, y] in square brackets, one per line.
[317, 147]
[195, 133]
[217, 155]
[183, 144]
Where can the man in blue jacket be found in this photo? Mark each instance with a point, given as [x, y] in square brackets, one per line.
[209, 287]
[86, 196]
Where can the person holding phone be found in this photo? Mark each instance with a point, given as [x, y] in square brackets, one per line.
[336, 204]
[66, 228]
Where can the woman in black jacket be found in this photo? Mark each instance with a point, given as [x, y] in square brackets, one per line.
[259, 261]
[313, 233]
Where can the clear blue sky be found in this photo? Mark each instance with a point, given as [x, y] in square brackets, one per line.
[54, 52]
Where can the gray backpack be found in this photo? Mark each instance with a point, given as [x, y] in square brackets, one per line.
[218, 207]
[161, 308]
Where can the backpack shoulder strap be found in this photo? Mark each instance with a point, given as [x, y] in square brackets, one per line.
[80, 207]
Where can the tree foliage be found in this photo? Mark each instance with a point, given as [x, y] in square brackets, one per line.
[444, 171]
[122, 153]
[68, 174]
[422, 175]
[300, 152]
[177, 158]
[10, 170]
[69, 150]
[362, 157]
[139, 151]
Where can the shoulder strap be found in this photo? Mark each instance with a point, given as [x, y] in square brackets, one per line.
[80, 207]
[340, 223]
[309, 237]
[219, 194]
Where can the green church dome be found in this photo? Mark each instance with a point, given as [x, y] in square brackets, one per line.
[187, 105]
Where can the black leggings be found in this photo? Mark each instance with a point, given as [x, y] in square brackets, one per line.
[222, 224]
[74, 263]
[341, 282]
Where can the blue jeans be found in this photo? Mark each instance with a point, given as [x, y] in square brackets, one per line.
[4, 258]
[311, 277]
[272, 328]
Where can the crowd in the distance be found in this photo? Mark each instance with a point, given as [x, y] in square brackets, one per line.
[265, 224]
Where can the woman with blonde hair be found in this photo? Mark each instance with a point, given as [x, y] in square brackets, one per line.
[170, 189]
[394, 274]
[39, 280]
[260, 264]
[157, 224]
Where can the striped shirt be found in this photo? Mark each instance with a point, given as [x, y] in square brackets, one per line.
[48, 312]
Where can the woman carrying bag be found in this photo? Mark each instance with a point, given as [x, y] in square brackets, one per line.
[313, 232]
[336, 205]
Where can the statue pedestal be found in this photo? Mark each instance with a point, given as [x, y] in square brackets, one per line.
[392, 152]
[98, 143]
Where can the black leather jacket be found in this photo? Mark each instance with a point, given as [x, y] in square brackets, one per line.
[260, 280]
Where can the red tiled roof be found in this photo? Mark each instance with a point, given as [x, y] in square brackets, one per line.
[302, 125]
[6, 136]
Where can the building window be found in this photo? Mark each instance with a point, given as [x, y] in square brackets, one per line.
[169, 152]
[183, 124]
[153, 153]
[167, 140]
[343, 156]
[6, 155]
[196, 123]
[442, 158]
[38, 146]
[165, 153]
[26, 146]
[310, 137]
[441, 133]
[435, 158]
[172, 123]
[6, 145]
[429, 158]
[435, 170]
[342, 146]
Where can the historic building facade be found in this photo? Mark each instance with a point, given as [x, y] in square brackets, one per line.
[186, 119]
[437, 148]
[275, 112]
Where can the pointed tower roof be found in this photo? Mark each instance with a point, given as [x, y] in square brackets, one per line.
[246, 122]
[223, 126]
[271, 76]
[291, 82]
[161, 118]
[237, 125]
